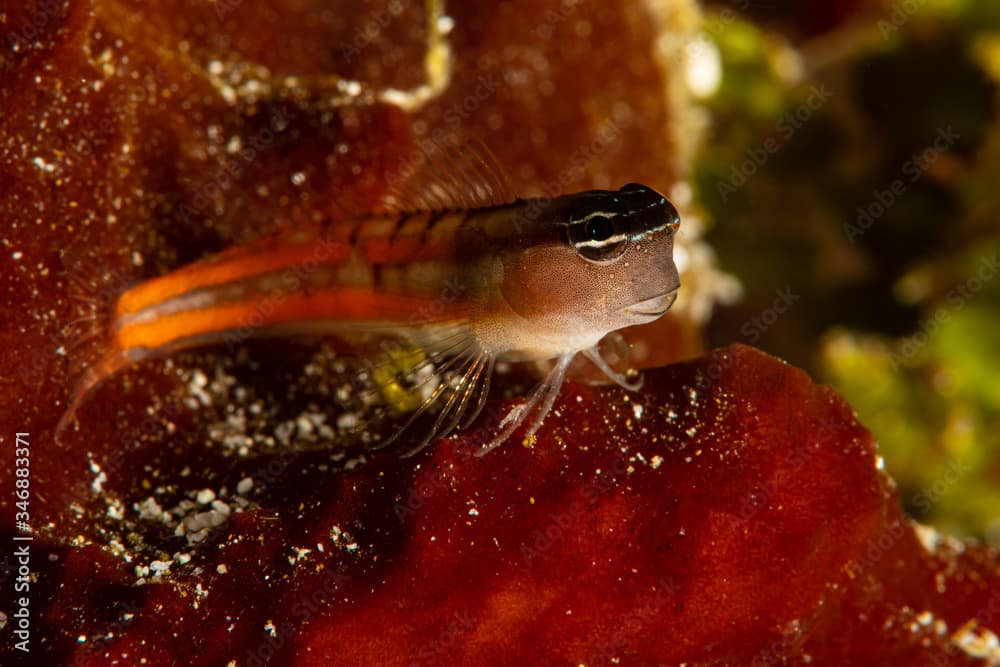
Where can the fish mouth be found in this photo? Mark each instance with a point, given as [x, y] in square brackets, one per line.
[655, 306]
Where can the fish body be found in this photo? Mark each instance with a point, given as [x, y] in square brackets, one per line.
[522, 279]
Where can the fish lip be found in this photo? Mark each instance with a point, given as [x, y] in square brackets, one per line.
[654, 306]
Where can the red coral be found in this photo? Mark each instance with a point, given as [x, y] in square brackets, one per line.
[730, 513]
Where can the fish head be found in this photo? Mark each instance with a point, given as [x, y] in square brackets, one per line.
[600, 260]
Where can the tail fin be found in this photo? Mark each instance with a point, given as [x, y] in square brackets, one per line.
[93, 354]
[91, 377]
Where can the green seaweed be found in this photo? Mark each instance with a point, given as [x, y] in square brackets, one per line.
[878, 207]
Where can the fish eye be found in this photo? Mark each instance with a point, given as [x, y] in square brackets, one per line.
[599, 228]
[598, 238]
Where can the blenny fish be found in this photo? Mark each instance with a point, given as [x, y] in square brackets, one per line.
[452, 262]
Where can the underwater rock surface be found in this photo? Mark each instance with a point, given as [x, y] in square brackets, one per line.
[731, 512]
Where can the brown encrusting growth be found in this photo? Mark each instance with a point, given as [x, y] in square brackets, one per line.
[219, 507]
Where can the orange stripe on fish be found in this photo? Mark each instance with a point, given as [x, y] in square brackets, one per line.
[358, 306]
[229, 267]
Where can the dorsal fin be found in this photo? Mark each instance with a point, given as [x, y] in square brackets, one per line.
[440, 176]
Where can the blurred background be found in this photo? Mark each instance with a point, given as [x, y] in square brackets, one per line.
[850, 171]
